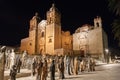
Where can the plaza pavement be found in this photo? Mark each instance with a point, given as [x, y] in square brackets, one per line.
[103, 72]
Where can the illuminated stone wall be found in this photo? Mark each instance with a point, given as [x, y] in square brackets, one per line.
[24, 44]
[41, 36]
[53, 30]
[31, 43]
[80, 40]
[67, 40]
[95, 41]
[31, 47]
[28, 44]
[92, 39]
[46, 37]
[50, 39]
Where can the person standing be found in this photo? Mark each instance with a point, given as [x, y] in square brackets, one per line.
[68, 61]
[44, 70]
[61, 69]
[52, 70]
[39, 70]
[18, 64]
[13, 73]
[24, 59]
[33, 66]
[75, 66]
[12, 58]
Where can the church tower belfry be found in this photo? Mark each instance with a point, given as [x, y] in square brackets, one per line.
[33, 34]
[97, 22]
[53, 30]
[53, 15]
[34, 21]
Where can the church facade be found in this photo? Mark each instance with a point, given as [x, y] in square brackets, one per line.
[91, 40]
[47, 37]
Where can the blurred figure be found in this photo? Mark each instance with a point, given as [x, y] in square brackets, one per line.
[12, 58]
[92, 64]
[68, 65]
[13, 73]
[18, 64]
[61, 69]
[33, 66]
[52, 70]
[44, 70]
[75, 66]
[7, 59]
[39, 69]
[24, 59]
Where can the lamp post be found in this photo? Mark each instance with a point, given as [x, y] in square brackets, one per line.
[107, 55]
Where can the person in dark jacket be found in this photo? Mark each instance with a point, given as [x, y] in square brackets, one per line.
[13, 73]
[52, 70]
[18, 65]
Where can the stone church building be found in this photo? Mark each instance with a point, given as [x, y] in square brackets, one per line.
[47, 37]
[91, 40]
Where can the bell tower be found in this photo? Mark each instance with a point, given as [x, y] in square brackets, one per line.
[53, 16]
[53, 30]
[97, 22]
[33, 34]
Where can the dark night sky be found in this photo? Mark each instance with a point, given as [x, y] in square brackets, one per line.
[15, 16]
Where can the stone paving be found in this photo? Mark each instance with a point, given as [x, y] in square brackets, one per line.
[103, 72]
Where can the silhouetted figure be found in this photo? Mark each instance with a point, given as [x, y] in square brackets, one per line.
[68, 61]
[18, 64]
[13, 72]
[92, 64]
[44, 70]
[39, 70]
[52, 70]
[61, 69]
[33, 66]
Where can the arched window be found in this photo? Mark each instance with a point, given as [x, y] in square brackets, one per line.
[30, 44]
[97, 24]
[50, 40]
[42, 34]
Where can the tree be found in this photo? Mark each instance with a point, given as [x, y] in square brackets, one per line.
[114, 6]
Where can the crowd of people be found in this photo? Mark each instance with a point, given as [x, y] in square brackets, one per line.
[41, 65]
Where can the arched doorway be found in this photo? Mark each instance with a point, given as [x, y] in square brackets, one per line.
[82, 53]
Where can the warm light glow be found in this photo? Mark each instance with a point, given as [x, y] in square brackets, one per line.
[106, 50]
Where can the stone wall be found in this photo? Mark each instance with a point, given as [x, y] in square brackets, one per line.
[67, 41]
[93, 42]
[24, 44]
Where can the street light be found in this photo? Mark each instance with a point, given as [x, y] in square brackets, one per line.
[107, 55]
